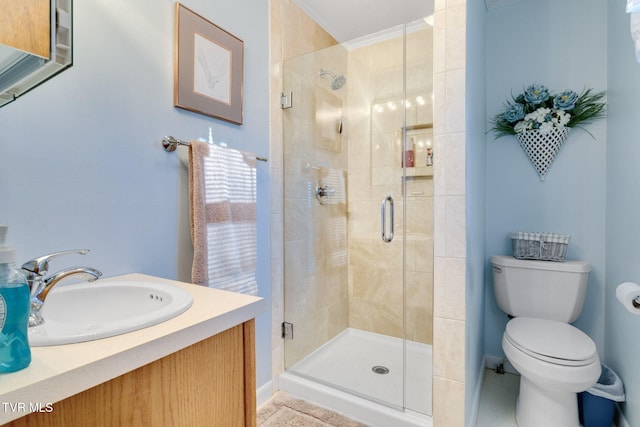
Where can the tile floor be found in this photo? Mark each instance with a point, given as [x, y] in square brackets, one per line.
[498, 400]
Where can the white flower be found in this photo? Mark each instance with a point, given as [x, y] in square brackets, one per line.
[522, 126]
[542, 114]
[546, 127]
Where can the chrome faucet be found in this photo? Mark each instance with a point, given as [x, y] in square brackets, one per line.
[39, 285]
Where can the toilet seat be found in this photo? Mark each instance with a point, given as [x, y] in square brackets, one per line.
[551, 341]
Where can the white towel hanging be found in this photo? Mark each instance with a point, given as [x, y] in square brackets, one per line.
[223, 217]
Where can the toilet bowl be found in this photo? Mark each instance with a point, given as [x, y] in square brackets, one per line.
[555, 361]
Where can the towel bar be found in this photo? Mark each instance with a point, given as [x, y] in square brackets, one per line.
[170, 144]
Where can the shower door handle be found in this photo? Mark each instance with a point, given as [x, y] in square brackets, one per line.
[387, 201]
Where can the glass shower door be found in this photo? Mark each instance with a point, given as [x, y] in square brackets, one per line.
[357, 203]
[315, 204]
[418, 211]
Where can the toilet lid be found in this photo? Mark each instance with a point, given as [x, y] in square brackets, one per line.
[552, 341]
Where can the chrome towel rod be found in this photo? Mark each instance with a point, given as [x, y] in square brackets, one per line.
[170, 144]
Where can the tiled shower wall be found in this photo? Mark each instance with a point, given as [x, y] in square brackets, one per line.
[449, 191]
[292, 33]
[449, 83]
[376, 297]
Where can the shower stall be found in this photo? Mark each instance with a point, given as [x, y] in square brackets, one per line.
[358, 222]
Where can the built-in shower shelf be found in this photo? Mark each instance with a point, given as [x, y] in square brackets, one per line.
[419, 172]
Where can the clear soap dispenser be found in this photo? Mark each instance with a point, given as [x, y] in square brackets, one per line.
[15, 353]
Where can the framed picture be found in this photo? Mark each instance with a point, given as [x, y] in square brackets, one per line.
[209, 64]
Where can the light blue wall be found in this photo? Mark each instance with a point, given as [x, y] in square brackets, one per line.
[562, 44]
[81, 163]
[476, 204]
[623, 205]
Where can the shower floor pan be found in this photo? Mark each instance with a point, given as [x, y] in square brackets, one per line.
[348, 374]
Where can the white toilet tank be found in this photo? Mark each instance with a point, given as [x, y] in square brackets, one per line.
[541, 289]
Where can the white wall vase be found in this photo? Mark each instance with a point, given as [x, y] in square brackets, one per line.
[542, 148]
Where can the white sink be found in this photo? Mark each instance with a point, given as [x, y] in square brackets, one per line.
[89, 311]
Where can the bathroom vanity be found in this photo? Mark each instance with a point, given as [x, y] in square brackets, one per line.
[195, 369]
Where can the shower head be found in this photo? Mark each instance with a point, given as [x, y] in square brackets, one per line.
[336, 81]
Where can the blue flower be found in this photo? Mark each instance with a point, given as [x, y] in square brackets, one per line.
[566, 100]
[514, 113]
[536, 94]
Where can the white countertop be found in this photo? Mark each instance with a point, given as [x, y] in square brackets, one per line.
[57, 372]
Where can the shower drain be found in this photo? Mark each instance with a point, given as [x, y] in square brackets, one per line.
[382, 370]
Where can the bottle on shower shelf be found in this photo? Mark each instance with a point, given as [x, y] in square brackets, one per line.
[429, 161]
[408, 157]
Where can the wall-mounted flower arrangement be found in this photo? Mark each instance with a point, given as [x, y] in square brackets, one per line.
[541, 120]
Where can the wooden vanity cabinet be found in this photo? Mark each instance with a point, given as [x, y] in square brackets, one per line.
[26, 25]
[210, 383]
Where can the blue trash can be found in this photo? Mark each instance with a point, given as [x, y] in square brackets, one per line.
[597, 405]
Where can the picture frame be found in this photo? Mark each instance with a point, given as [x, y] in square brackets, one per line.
[209, 67]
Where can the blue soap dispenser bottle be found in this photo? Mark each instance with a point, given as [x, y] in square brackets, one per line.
[15, 353]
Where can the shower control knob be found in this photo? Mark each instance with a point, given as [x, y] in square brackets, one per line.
[322, 192]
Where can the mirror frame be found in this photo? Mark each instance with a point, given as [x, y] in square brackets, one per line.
[25, 71]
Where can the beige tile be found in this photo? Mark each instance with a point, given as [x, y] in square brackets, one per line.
[448, 403]
[275, 190]
[385, 150]
[419, 215]
[386, 255]
[440, 165]
[450, 165]
[277, 360]
[362, 221]
[453, 3]
[338, 316]
[439, 42]
[449, 341]
[420, 326]
[455, 37]
[301, 34]
[275, 150]
[276, 334]
[313, 327]
[449, 288]
[440, 226]
[298, 217]
[277, 299]
[422, 247]
[455, 99]
[276, 234]
[362, 281]
[419, 56]
[455, 168]
[455, 229]
[419, 310]
[359, 184]
[387, 319]
[439, 104]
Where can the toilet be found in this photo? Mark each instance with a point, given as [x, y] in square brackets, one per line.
[555, 359]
